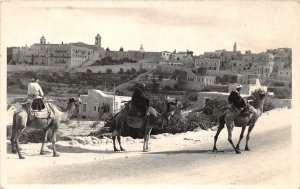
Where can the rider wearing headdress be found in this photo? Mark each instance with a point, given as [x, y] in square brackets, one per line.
[236, 99]
[139, 100]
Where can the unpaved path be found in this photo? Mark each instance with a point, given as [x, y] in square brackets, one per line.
[175, 159]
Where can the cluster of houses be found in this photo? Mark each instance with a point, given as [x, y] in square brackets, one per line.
[251, 69]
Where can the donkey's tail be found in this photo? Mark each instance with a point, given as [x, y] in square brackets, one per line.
[113, 123]
[222, 120]
[14, 121]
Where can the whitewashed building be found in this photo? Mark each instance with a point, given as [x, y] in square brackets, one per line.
[248, 88]
[96, 101]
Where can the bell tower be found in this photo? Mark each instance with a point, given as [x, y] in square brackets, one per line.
[141, 48]
[234, 47]
[98, 40]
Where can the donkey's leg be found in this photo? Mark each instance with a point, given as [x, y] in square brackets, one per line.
[221, 126]
[230, 129]
[54, 131]
[241, 137]
[18, 135]
[114, 134]
[44, 141]
[146, 138]
[12, 141]
[119, 141]
[248, 137]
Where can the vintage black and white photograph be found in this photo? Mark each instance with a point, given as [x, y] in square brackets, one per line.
[149, 93]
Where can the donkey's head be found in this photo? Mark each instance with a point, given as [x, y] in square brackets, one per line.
[171, 105]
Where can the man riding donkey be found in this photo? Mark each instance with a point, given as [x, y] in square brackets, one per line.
[35, 93]
[235, 100]
[39, 107]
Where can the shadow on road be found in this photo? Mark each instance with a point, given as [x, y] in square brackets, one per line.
[192, 152]
[76, 149]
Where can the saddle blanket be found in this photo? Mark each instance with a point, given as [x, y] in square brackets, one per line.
[135, 122]
[45, 113]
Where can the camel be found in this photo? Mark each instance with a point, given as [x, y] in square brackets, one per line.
[21, 121]
[231, 119]
[151, 120]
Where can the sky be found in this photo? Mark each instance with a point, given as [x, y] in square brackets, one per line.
[160, 26]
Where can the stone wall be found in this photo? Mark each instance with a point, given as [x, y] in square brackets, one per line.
[281, 103]
[114, 68]
[134, 55]
[22, 68]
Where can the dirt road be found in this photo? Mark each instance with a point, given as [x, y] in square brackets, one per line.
[269, 163]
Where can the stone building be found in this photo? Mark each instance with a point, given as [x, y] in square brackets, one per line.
[61, 55]
[284, 74]
[166, 55]
[195, 82]
[208, 63]
[182, 57]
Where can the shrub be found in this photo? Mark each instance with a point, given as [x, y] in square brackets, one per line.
[121, 71]
[167, 87]
[278, 84]
[108, 71]
[268, 105]
[180, 124]
[11, 83]
[94, 124]
[214, 107]
[128, 71]
[133, 70]
[283, 92]
[192, 97]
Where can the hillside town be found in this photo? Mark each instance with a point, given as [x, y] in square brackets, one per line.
[211, 74]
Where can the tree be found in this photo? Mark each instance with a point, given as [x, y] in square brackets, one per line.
[128, 71]
[107, 49]
[154, 86]
[121, 49]
[121, 71]
[133, 70]
[201, 71]
[189, 52]
[108, 71]
[167, 88]
[88, 71]
[233, 79]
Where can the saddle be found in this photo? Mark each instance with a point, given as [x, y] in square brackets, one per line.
[239, 112]
[135, 118]
[132, 110]
[40, 108]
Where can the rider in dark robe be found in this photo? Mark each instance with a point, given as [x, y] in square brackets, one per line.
[236, 99]
[140, 101]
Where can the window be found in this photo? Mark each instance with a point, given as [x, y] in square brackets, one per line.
[84, 107]
[116, 105]
[95, 108]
